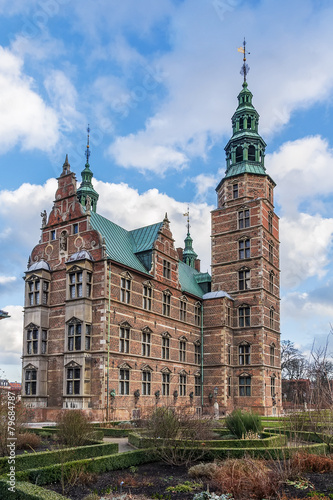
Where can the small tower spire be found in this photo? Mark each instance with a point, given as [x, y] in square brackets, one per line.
[86, 193]
[189, 255]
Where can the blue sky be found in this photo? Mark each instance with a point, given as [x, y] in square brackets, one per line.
[158, 81]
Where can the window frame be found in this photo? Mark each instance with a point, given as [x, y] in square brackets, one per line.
[197, 385]
[124, 339]
[30, 381]
[73, 382]
[244, 354]
[244, 316]
[165, 384]
[124, 381]
[245, 389]
[244, 218]
[166, 269]
[182, 384]
[244, 249]
[147, 295]
[146, 382]
[145, 342]
[244, 279]
[166, 304]
[235, 191]
[165, 347]
[197, 353]
[182, 309]
[182, 350]
[125, 289]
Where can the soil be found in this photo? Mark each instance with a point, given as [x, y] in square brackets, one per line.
[150, 481]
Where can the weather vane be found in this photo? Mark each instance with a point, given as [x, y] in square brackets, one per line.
[187, 214]
[245, 68]
[88, 150]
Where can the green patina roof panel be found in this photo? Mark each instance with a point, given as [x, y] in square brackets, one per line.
[245, 168]
[144, 237]
[188, 279]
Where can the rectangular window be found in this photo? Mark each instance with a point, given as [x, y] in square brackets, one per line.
[166, 269]
[244, 316]
[271, 318]
[32, 341]
[270, 223]
[272, 355]
[74, 337]
[124, 336]
[244, 354]
[197, 385]
[197, 353]
[182, 310]
[244, 280]
[34, 291]
[31, 382]
[146, 380]
[125, 290]
[235, 191]
[245, 386]
[273, 387]
[145, 346]
[243, 219]
[89, 279]
[75, 284]
[228, 319]
[124, 382]
[271, 282]
[166, 304]
[45, 295]
[229, 386]
[73, 381]
[270, 253]
[182, 350]
[165, 384]
[53, 235]
[75, 228]
[244, 249]
[165, 348]
[197, 315]
[147, 294]
[182, 385]
[44, 341]
[229, 354]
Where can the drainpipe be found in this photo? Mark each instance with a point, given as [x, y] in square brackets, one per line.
[202, 339]
[108, 344]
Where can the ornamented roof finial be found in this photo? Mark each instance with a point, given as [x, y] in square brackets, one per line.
[245, 68]
[187, 214]
[88, 150]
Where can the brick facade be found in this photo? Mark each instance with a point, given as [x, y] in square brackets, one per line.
[118, 337]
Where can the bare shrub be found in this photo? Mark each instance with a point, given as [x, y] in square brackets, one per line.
[203, 470]
[309, 462]
[176, 435]
[28, 441]
[75, 428]
[246, 479]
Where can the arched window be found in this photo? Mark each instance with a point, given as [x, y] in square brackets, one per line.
[241, 123]
[239, 154]
[249, 122]
[252, 153]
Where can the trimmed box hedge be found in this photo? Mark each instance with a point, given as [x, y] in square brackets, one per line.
[27, 491]
[268, 441]
[52, 473]
[44, 458]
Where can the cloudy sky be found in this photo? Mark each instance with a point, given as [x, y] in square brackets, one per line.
[158, 81]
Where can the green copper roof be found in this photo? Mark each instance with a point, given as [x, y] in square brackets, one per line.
[245, 168]
[189, 278]
[124, 247]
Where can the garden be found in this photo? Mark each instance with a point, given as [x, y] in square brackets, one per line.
[176, 456]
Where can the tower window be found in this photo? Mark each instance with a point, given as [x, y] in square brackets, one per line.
[249, 122]
[197, 315]
[244, 316]
[75, 287]
[244, 354]
[245, 386]
[182, 310]
[271, 318]
[273, 387]
[241, 123]
[270, 253]
[252, 153]
[244, 249]
[229, 354]
[272, 355]
[235, 191]
[244, 280]
[270, 223]
[271, 282]
[182, 350]
[32, 341]
[44, 342]
[74, 337]
[239, 154]
[243, 219]
[34, 293]
[197, 353]
[197, 385]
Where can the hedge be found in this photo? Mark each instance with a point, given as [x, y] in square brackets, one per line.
[305, 435]
[270, 441]
[52, 473]
[44, 458]
[108, 431]
[27, 491]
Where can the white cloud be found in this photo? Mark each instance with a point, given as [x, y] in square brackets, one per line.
[25, 119]
[11, 349]
[305, 244]
[7, 279]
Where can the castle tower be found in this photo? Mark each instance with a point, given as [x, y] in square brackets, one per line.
[245, 263]
[86, 192]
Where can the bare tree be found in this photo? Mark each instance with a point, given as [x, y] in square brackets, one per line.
[293, 363]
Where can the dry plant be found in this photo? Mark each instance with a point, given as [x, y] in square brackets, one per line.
[177, 436]
[309, 462]
[28, 441]
[203, 470]
[246, 479]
